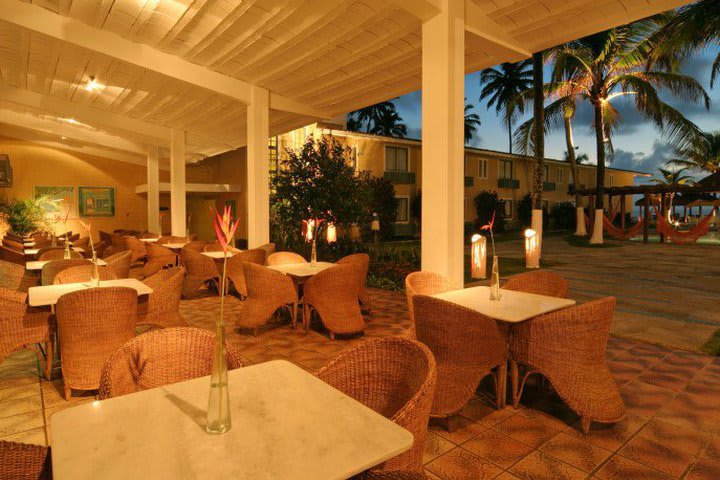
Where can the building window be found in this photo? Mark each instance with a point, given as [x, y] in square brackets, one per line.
[482, 167]
[612, 180]
[546, 172]
[402, 215]
[353, 157]
[396, 159]
[546, 205]
[560, 175]
[508, 207]
[506, 169]
[273, 154]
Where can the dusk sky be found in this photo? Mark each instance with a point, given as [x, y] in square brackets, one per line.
[638, 145]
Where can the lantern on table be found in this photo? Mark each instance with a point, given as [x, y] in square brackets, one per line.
[532, 249]
[478, 257]
[331, 233]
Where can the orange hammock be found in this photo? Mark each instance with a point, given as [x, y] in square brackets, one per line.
[614, 231]
[688, 236]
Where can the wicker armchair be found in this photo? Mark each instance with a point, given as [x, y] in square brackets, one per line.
[158, 257]
[362, 261]
[92, 324]
[100, 248]
[83, 243]
[283, 258]
[43, 250]
[267, 291]
[162, 308]
[333, 294]
[541, 282]
[12, 256]
[196, 245]
[56, 254]
[159, 358]
[82, 274]
[15, 277]
[200, 269]
[423, 283]
[22, 461]
[269, 249]
[171, 239]
[467, 346]
[21, 327]
[16, 245]
[213, 247]
[138, 251]
[235, 268]
[118, 243]
[396, 378]
[568, 348]
[52, 268]
[120, 263]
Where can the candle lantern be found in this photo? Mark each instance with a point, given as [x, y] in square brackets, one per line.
[532, 249]
[478, 257]
[331, 233]
[308, 230]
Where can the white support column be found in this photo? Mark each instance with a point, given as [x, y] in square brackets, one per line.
[178, 216]
[443, 149]
[153, 190]
[258, 177]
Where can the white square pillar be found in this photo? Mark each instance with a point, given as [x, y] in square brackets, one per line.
[153, 190]
[178, 215]
[443, 141]
[258, 176]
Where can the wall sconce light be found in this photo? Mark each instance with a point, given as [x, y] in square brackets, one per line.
[331, 233]
[478, 257]
[532, 249]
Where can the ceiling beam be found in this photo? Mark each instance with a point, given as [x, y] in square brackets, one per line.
[155, 134]
[63, 129]
[503, 45]
[423, 10]
[73, 31]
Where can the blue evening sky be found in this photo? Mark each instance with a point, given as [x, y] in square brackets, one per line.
[638, 145]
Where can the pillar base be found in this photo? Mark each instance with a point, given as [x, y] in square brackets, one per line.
[580, 230]
[597, 233]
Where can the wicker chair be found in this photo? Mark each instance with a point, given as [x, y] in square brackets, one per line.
[159, 358]
[467, 346]
[568, 348]
[267, 291]
[158, 257]
[213, 247]
[15, 277]
[283, 258]
[269, 249]
[235, 268]
[137, 249]
[22, 327]
[423, 283]
[333, 294]
[12, 256]
[82, 274]
[13, 244]
[43, 250]
[120, 263]
[362, 261]
[22, 461]
[171, 239]
[396, 378]
[162, 308]
[52, 268]
[118, 243]
[92, 324]
[196, 245]
[56, 254]
[83, 243]
[541, 282]
[200, 270]
[100, 249]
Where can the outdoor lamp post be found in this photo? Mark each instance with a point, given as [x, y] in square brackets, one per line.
[532, 249]
[375, 226]
[478, 257]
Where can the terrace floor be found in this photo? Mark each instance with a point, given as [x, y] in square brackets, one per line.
[671, 429]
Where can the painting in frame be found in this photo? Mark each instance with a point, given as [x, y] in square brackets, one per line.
[96, 201]
[59, 197]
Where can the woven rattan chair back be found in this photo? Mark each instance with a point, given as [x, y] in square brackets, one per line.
[162, 308]
[196, 245]
[467, 346]
[82, 274]
[120, 263]
[158, 257]
[542, 282]
[161, 357]
[269, 249]
[92, 324]
[362, 262]
[235, 267]
[213, 247]
[423, 283]
[52, 268]
[137, 249]
[51, 253]
[396, 378]
[333, 293]
[283, 258]
[22, 461]
[267, 291]
[200, 269]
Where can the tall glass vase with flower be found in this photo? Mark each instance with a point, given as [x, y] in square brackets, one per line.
[64, 218]
[95, 272]
[495, 275]
[218, 414]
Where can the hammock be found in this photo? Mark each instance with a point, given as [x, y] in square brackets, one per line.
[614, 231]
[685, 237]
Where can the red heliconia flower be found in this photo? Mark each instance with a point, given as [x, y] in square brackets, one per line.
[490, 224]
[224, 227]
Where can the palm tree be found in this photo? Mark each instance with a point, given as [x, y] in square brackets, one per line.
[703, 154]
[370, 116]
[389, 124]
[353, 123]
[538, 132]
[580, 158]
[672, 177]
[501, 87]
[472, 122]
[614, 64]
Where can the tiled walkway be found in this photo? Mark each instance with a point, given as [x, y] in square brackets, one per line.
[671, 429]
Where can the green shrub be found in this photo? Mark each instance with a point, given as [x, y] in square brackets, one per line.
[563, 216]
[487, 203]
[380, 195]
[25, 216]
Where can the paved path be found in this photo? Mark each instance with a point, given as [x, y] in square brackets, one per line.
[667, 294]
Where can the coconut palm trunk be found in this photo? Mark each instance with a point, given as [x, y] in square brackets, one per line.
[597, 227]
[539, 142]
[572, 159]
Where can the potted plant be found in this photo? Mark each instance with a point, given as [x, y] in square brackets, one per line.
[25, 216]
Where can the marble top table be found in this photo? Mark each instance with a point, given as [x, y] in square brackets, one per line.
[218, 255]
[39, 264]
[149, 240]
[174, 246]
[286, 425]
[49, 294]
[512, 307]
[302, 270]
[34, 251]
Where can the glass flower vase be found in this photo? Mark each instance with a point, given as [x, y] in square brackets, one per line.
[95, 272]
[218, 414]
[313, 253]
[495, 280]
[67, 255]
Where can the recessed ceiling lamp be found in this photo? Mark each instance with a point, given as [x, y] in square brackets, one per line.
[71, 121]
[92, 85]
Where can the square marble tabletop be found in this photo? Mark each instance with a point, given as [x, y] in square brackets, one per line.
[219, 255]
[45, 295]
[286, 424]
[34, 251]
[174, 246]
[149, 240]
[39, 264]
[512, 307]
[302, 270]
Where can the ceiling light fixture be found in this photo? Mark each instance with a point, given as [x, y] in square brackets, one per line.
[71, 121]
[92, 85]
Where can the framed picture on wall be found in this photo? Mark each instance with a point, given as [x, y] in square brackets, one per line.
[59, 198]
[96, 201]
[6, 173]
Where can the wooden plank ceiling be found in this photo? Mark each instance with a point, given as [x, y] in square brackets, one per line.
[332, 55]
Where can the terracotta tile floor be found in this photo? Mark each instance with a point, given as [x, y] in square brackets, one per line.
[672, 427]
